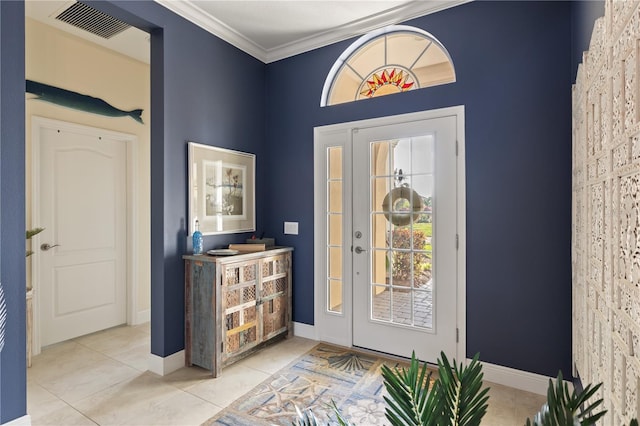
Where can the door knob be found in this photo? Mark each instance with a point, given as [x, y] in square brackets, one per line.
[47, 246]
[359, 250]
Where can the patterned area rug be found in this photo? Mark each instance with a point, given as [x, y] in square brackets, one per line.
[351, 379]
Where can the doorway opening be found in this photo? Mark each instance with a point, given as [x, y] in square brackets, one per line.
[63, 56]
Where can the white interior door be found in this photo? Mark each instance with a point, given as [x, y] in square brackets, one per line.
[404, 238]
[81, 281]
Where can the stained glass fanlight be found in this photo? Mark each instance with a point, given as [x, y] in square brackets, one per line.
[390, 60]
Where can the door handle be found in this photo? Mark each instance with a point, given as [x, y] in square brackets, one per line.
[47, 246]
[359, 250]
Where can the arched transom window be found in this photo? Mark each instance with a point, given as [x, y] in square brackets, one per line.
[390, 60]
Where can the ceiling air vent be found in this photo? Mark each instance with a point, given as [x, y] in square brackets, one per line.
[89, 19]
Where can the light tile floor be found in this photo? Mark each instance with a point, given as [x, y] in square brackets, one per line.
[102, 379]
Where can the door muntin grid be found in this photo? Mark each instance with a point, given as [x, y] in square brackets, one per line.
[401, 223]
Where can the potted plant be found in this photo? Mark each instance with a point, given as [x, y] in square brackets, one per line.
[456, 397]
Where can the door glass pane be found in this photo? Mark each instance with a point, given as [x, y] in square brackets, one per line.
[381, 306]
[335, 262]
[401, 305]
[422, 156]
[335, 196]
[422, 303]
[334, 229]
[335, 295]
[380, 267]
[335, 162]
[380, 159]
[401, 220]
[380, 231]
[334, 219]
[380, 187]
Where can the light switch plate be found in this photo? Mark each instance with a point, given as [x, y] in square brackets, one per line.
[291, 228]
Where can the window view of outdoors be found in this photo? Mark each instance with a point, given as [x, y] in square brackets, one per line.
[401, 231]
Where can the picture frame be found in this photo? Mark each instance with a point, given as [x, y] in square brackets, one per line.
[221, 190]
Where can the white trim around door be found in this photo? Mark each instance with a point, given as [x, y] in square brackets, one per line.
[38, 123]
[334, 320]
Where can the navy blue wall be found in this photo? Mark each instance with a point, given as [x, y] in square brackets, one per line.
[12, 242]
[203, 90]
[513, 66]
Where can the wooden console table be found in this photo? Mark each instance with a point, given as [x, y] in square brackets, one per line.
[235, 305]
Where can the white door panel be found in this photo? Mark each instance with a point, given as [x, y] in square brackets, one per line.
[404, 278]
[74, 295]
[82, 206]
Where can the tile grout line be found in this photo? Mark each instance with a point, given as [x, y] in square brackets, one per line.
[265, 357]
[71, 404]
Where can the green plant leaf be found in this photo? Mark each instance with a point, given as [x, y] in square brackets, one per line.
[31, 232]
[455, 398]
[408, 389]
[564, 408]
[308, 418]
[466, 401]
[341, 420]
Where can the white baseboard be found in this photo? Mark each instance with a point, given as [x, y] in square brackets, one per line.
[167, 365]
[517, 379]
[506, 376]
[20, 421]
[304, 330]
[143, 316]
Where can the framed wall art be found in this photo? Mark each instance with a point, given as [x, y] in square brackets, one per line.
[221, 190]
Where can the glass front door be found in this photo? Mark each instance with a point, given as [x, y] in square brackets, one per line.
[404, 238]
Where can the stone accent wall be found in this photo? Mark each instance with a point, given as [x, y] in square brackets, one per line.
[606, 212]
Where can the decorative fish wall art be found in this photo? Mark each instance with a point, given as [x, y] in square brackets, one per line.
[75, 100]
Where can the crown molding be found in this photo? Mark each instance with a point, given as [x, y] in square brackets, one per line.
[402, 13]
[362, 26]
[196, 15]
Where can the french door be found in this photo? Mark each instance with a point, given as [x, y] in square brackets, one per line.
[404, 238]
[389, 234]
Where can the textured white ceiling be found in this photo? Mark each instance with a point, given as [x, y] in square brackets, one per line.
[272, 24]
[266, 29]
[275, 29]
